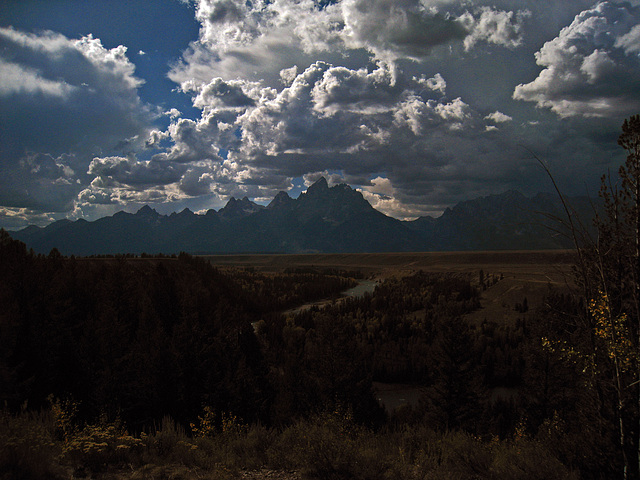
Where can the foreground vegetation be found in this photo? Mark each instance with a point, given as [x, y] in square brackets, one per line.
[326, 445]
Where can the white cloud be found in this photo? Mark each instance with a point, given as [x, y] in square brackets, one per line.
[498, 27]
[258, 40]
[226, 23]
[220, 94]
[16, 218]
[341, 89]
[383, 196]
[113, 70]
[410, 113]
[118, 180]
[18, 79]
[587, 69]
[173, 113]
[498, 117]
[392, 28]
[436, 83]
[454, 112]
[288, 75]
[630, 42]
[597, 65]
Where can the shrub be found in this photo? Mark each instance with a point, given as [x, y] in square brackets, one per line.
[28, 448]
[96, 447]
[527, 459]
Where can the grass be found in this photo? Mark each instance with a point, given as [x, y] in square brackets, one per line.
[325, 446]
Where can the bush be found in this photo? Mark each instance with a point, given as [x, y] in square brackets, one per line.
[28, 448]
[527, 460]
[98, 447]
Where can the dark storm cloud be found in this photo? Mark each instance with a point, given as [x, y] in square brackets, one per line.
[64, 100]
[395, 27]
[129, 171]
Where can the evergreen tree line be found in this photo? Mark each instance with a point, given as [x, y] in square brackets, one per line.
[140, 339]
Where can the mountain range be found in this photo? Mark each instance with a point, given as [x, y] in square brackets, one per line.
[323, 219]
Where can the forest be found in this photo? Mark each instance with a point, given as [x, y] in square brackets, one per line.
[167, 367]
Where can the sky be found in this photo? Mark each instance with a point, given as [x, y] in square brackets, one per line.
[418, 104]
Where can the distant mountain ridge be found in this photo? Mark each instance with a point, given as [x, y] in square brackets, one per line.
[323, 219]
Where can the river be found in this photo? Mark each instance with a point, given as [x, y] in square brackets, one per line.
[363, 287]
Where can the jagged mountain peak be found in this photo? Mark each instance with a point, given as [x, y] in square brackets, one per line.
[186, 212]
[324, 219]
[148, 215]
[239, 208]
[321, 185]
[321, 189]
[147, 211]
[281, 199]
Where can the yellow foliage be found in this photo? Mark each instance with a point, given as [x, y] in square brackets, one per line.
[97, 445]
[64, 416]
[207, 425]
[612, 330]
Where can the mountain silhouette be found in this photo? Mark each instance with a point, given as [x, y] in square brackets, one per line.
[323, 219]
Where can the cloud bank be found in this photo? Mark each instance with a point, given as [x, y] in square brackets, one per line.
[418, 103]
[61, 102]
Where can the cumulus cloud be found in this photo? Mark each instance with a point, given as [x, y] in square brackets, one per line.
[288, 75]
[129, 171]
[19, 79]
[390, 28]
[630, 42]
[498, 117]
[381, 195]
[356, 91]
[436, 83]
[356, 109]
[202, 139]
[327, 118]
[386, 198]
[286, 88]
[260, 39]
[219, 94]
[119, 180]
[85, 99]
[499, 27]
[227, 22]
[15, 218]
[590, 68]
